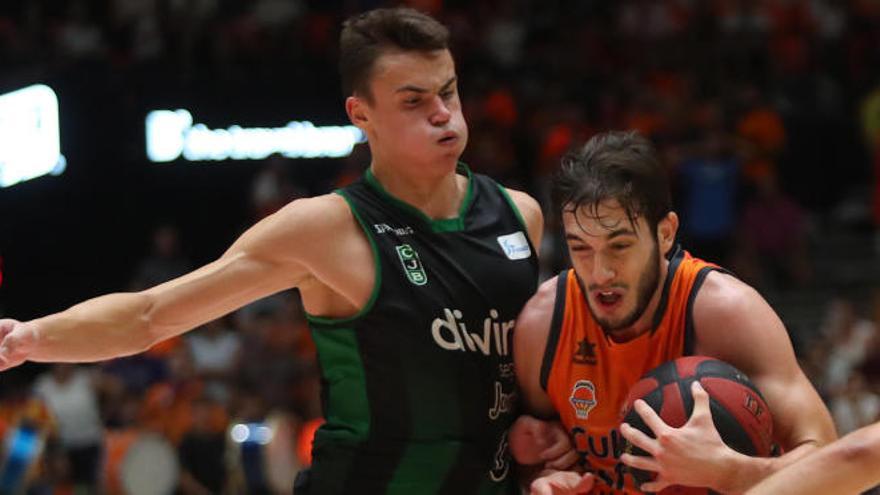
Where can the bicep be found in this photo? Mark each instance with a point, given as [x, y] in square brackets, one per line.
[799, 415]
[529, 343]
[738, 326]
[264, 260]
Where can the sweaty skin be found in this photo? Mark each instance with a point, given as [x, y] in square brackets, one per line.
[848, 466]
[732, 323]
[416, 133]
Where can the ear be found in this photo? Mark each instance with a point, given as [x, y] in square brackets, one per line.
[666, 230]
[356, 110]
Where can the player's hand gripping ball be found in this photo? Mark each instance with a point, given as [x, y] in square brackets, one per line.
[739, 411]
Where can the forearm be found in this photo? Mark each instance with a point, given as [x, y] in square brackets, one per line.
[850, 465]
[746, 471]
[100, 328]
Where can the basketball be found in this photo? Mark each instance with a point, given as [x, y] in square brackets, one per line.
[739, 411]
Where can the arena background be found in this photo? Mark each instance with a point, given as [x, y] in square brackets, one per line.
[767, 113]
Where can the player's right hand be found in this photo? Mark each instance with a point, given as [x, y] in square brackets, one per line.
[17, 341]
[563, 483]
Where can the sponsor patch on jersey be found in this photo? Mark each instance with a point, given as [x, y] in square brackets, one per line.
[384, 228]
[409, 258]
[515, 245]
[583, 398]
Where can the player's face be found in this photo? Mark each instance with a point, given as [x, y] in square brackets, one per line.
[414, 119]
[618, 262]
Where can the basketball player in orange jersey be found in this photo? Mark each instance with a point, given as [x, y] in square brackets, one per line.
[848, 466]
[633, 301]
[412, 278]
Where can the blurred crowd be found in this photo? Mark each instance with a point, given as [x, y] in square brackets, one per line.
[766, 113]
[229, 407]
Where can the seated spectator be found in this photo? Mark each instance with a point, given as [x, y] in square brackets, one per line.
[855, 405]
[72, 394]
[202, 452]
[774, 238]
[216, 352]
[167, 407]
[164, 261]
[26, 420]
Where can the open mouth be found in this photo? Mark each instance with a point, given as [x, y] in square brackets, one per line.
[607, 299]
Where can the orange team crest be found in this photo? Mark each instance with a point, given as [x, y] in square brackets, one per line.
[583, 398]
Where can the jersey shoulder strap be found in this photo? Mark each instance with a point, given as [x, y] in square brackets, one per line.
[555, 326]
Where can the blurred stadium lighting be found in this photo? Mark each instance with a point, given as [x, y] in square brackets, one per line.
[171, 134]
[30, 143]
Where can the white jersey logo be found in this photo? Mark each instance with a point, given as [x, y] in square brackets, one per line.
[451, 334]
[515, 245]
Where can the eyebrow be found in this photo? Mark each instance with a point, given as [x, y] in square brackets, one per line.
[611, 235]
[418, 89]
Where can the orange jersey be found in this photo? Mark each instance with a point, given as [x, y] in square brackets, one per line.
[587, 376]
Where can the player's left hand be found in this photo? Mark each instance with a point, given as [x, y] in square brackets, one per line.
[693, 455]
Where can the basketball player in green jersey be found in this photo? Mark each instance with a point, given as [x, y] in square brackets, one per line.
[412, 278]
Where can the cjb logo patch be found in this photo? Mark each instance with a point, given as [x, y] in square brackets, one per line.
[409, 258]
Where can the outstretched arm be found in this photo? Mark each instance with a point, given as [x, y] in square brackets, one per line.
[265, 259]
[847, 466]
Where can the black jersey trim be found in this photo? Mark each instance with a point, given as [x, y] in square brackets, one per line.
[377, 266]
[513, 206]
[437, 225]
[690, 336]
[676, 256]
[555, 328]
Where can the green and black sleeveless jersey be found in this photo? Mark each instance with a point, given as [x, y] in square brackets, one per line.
[419, 388]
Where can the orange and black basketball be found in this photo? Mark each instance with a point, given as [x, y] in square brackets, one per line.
[739, 411]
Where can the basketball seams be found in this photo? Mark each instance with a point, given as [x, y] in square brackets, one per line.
[748, 410]
[739, 411]
[710, 367]
[736, 434]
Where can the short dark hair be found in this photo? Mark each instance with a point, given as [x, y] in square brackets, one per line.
[614, 165]
[367, 36]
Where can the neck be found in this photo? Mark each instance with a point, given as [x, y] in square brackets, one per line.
[437, 197]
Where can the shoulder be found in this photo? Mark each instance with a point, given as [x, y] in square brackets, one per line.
[530, 338]
[531, 213]
[734, 323]
[533, 325]
[527, 205]
[324, 210]
[538, 311]
[317, 215]
[724, 296]
[303, 229]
